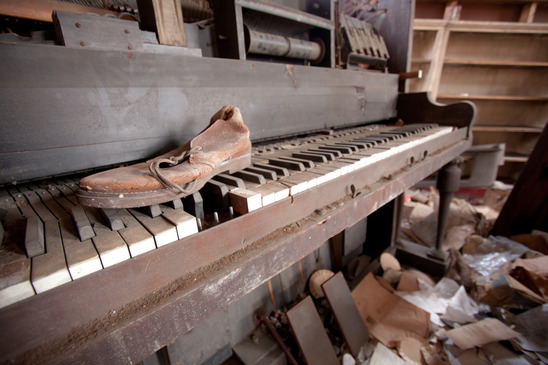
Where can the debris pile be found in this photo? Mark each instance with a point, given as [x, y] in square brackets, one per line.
[491, 306]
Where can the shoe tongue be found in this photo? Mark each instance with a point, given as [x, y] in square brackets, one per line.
[228, 113]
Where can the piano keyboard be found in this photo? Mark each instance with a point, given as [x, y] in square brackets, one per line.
[65, 241]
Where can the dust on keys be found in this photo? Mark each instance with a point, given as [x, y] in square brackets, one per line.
[49, 239]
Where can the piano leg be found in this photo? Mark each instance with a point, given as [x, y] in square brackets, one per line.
[448, 182]
[434, 260]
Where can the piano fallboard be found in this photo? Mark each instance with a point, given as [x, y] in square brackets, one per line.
[135, 300]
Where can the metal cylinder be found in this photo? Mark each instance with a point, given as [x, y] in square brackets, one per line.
[276, 45]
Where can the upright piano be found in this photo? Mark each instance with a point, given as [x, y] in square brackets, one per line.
[331, 147]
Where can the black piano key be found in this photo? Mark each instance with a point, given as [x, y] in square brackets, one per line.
[152, 211]
[327, 155]
[194, 204]
[378, 139]
[112, 218]
[175, 204]
[230, 180]
[361, 145]
[349, 145]
[250, 176]
[371, 143]
[34, 237]
[82, 223]
[332, 153]
[268, 174]
[279, 170]
[216, 194]
[307, 163]
[292, 165]
[310, 156]
[341, 149]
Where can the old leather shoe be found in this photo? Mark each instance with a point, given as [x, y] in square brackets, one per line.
[223, 146]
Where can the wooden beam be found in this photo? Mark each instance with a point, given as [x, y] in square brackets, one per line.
[42, 9]
[165, 17]
[528, 13]
[452, 11]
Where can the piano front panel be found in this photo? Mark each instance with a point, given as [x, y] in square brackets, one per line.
[133, 258]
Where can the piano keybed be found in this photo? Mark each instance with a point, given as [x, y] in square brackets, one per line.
[66, 241]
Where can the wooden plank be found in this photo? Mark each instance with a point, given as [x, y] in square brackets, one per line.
[164, 17]
[528, 13]
[115, 142]
[42, 9]
[92, 32]
[506, 129]
[519, 48]
[310, 333]
[521, 64]
[479, 26]
[494, 81]
[494, 97]
[346, 313]
[50, 270]
[526, 207]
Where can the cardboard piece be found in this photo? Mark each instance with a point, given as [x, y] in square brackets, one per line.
[409, 280]
[410, 348]
[456, 236]
[382, 355]
[481, 333]
[532, 324]
[533, 273]
[386, 315]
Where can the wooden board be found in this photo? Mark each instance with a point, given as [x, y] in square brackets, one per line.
[490, 80]
[41, 9]
[179, 93]
[164, 17]
[310, 333]
[346, 313]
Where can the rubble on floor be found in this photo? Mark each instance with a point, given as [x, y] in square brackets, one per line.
[491, 307]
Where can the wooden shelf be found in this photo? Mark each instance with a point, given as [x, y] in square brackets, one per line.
[494, 58]
[494, 97]
[479, 27]
[506, 129]
[494, 63]
[516, 158]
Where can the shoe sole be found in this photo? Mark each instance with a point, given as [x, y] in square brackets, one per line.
[143, 199]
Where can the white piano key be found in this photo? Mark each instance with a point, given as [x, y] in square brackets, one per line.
[15, 282]
[271, 191]
[138, 239]
[185, 223]
[244, 201]
[82, 258]
[163, 231]
[111, 247]
[50, 269]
